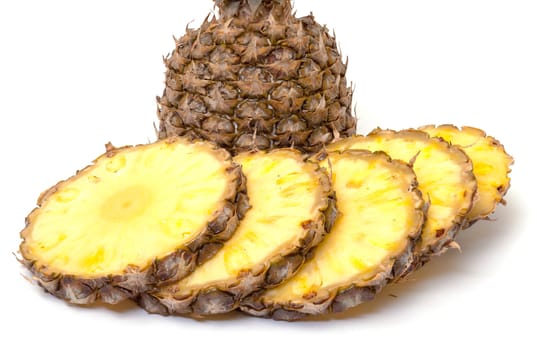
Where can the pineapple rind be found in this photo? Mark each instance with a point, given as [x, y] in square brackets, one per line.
[257, 77]
[491, 165]
[115, 286]
[276, 265]
[327, 285]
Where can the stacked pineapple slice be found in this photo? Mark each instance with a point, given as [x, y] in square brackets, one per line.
[449, 186]
[170, 224]
[490, 165]
[320, 225]
[381, 213]
[136, 218]
[292, 207]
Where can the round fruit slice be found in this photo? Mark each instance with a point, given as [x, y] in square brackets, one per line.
[381, 214]
[444, 174]
[491, 165]
[291, 209]
[137, 217]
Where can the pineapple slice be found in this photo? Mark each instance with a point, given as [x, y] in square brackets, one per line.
[138, 216]
[292, 208]
[491, 165]
[444, 174]
[371, 243]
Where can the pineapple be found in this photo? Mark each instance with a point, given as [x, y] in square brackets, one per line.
[445, 178]
[137, 217]
[257, 78]
[291, 209]
[372, 241]
[491, 165]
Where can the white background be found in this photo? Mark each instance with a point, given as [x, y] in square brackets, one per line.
[77, 74]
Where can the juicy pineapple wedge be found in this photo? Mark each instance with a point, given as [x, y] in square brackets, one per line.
[381, 214]
[291, 209]
[444, 175]
[491, 165]
[138, 216]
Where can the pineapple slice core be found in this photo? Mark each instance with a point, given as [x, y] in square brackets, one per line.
[491, 164]
[132, 206]
[377, 213]
[127, 204]
[283, 195]
[441, 175]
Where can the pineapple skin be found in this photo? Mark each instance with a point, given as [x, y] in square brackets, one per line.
[112, 289]
[343, 298]
[224, 297]
[257, 77]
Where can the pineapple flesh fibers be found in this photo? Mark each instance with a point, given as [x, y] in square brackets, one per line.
[444, 174]
[257, 77]
[137, 217]
[491, 165]
[381, 214]
[291, 209]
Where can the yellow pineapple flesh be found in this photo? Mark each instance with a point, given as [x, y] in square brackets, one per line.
[381, 213]
[141, 211]
[290, 209]
[444, 175]
[491, 165]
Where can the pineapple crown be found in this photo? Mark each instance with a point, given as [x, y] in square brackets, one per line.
[253, 8]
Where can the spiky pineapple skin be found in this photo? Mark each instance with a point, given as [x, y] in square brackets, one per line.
[257, 78]
[112, 289]
[223, 297]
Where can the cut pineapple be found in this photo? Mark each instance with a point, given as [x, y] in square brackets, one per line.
[444, 174]
[138, 216]
[292, 208]
[491, 165]
[372, 241]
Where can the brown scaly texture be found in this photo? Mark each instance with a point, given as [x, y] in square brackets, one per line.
[224, 294]
[331, 281]
[257, 77]
[115, 287]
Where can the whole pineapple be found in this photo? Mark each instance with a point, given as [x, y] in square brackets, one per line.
[257, 77]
